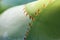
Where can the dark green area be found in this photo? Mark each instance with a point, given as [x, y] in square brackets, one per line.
[47, 24]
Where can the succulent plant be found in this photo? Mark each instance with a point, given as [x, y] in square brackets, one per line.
[39, 20]
[13, 25]
[46, 25]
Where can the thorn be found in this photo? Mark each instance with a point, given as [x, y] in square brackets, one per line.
[24, 38]
[26, 34]
[44, 6]
[31, 18]
[28, 29]
[30, 24]
[26, 13]
[24, 9]
[37, 12]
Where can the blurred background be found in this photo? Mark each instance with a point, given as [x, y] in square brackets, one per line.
[5, 4]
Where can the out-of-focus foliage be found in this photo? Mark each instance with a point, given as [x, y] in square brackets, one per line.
[4, 4]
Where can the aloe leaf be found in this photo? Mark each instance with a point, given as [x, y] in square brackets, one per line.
[46, 25]
[14, 23]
